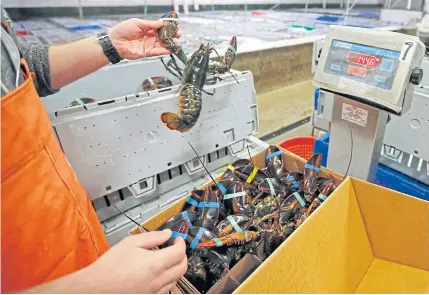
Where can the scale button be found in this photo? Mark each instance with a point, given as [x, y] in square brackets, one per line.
[357, 71]
[386, 65]
[335, 67]
[381, 79]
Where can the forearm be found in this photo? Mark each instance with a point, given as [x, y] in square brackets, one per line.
[77, 282]
[73, 61]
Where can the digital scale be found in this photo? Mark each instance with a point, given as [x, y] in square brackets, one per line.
[371, 74]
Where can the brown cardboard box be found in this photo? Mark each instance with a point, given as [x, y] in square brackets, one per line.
[363, 239]
[239, 273]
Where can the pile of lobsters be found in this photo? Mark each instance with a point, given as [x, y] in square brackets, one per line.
[248, 210]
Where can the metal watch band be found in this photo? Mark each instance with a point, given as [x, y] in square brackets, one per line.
[108, 48]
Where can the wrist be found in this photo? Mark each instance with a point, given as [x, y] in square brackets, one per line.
[107, 44]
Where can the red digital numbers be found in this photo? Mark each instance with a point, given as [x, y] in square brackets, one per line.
[363, 59]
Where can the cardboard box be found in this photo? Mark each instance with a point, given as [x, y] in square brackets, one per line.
[240, 272]
[363, 239]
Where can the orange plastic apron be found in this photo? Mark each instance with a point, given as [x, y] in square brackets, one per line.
[49, 227]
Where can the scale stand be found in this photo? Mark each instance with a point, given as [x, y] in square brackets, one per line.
[371, 74]
[356, 138]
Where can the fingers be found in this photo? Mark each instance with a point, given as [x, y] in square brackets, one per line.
[167, 257]
[149, 24]
[179, 34]
[149, 240]
[167, 288]
[171, 275]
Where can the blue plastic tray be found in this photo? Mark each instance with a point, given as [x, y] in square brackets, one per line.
[385, 176]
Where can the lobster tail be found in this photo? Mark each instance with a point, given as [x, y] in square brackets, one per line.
[174, 122]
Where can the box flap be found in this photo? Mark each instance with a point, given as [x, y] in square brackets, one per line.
[397, 224]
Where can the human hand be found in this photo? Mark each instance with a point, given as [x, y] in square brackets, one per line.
[132, 267]
[137, 38]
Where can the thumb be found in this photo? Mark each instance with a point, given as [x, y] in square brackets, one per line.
[150, 239]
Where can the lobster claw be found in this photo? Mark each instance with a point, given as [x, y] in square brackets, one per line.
[274, 162]
[311, 171]
[208, 210]
[192, 202]
[178, 229]
[233, 223]
[190, 217]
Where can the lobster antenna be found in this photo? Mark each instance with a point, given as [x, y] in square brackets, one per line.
[139, 225]
[226, 66]
[206, 168]
[251, 160]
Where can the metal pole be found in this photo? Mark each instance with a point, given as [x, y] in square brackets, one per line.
[80, 9]
[409, 4]
[196, 6]
[347, 12]
[324, 4]
[145, 7]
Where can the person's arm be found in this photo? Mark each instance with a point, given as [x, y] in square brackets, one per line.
[133, 39]
[129, 267]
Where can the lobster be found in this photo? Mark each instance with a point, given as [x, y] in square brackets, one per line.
[193, 79]
[153, 83]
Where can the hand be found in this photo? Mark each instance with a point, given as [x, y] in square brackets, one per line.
[132, 267]
[136, 38]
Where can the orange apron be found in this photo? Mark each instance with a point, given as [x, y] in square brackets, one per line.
[49, 227]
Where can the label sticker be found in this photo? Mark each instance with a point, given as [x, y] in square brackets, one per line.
[354, 115]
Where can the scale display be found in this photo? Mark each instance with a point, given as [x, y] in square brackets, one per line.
[370, 65]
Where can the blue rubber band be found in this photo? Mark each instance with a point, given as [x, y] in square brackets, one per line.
[208, 205]
[221, 187]
[322, 197]
[185, 215]
[299, 198]
[176, 234]
[270, 183]
[232, 49]
[197, 238]
[269, 156]
[234, 224]
[234, 195]
[172, 19]
[293, 181]
[151, 81]
[312, 167]
[80, 101]
[218, 242]
[192, 201]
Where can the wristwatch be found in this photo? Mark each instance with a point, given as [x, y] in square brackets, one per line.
[108, 48]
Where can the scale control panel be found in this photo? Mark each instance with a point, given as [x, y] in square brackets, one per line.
[375, 67]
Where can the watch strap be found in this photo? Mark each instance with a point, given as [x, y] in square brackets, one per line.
[108, 48]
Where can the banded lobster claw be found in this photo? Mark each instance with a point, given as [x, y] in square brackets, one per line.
[233, 223]
[328, 188]
[237, 199]
[167, 33]
[178, 229]
[274, 162]
[311, 171]
[190, 217]
[229, 172]
[208, 210]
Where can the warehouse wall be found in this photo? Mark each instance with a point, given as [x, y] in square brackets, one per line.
[277, 67]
